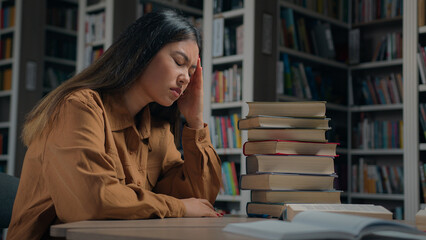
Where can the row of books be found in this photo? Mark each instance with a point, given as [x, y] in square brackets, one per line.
[92, 54]
[422, 116]
[330, 8]
[7, 16]
[296, 79]
[5, 79]
[62, 16]
[55, 76]
[227, 39]
[95, 27]
[421, 62]
[369, 10]
[147, 7]
[375, 134]
[373, 178]
[422, 175]
[306, 35]
[389, 48]
[226, 85]
[226, 5]
[385, 89]
[61, 46]
[229, 179]
[224, 131]
[6, 46]
[3, 167]
[3, 143]
[292, 171]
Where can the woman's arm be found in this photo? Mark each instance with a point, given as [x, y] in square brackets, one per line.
[82, 171]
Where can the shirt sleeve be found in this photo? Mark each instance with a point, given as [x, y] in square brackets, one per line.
[81, 173]
[199, 175]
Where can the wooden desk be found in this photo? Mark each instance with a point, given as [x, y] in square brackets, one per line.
[168, 228]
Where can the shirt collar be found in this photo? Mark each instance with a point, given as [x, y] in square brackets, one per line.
[120, 118]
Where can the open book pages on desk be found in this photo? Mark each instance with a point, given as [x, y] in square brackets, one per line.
[325, 225]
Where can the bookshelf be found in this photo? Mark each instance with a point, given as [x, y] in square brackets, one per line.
[376, 109]
[305, 18]
[241, 63]
[60, 42]
[9, 91]
[105, 19]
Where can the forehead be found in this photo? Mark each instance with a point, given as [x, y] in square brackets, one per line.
[188, 47]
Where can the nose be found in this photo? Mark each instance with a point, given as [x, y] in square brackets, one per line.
[184, 79]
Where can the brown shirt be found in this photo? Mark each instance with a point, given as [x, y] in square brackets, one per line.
[97, 164]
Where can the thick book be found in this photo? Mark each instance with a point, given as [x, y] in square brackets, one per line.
[292, 196]
[367, 210]
[289, 148]
[290, 164]
[283, 122]
[287, 181]
[325, 225]
[292, 134]
[258, 209]
[314, 109]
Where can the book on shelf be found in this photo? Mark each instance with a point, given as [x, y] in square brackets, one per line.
[289, 148]
[292, 134]
[366, 210]
[229, 179]
[354, 38]
[288, 109]
[324, 40]
[262, 209]
[421, 220]
[283, 122]
[422, 171]
[295, 196]
[326, 225]
[218, 36]
[287, 181]
[290, 164]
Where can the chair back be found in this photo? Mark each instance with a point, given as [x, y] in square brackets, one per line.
[8, 188]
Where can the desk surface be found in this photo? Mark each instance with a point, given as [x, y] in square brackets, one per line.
[142, 229]
[161, 233]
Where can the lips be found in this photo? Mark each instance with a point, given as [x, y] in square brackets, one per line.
[177, 91]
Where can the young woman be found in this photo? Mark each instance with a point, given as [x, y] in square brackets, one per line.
[101, 146]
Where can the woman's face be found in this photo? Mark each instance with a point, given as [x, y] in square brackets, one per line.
[168, 74]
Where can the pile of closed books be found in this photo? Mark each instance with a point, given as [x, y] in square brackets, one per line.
[289, 159]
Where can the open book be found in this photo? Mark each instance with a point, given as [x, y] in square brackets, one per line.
[325, 225]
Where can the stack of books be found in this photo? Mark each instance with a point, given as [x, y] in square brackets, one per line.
[288, 158]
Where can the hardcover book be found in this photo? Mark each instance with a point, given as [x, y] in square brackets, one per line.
[307, 135]
[367, 210]
[282, 122]
[293, 196]
[289, 148]
[288, 109]
[287, 181]
[290, 164]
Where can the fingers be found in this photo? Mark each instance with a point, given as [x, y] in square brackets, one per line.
[206, 202]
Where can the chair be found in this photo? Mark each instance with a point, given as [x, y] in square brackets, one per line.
[8, 188]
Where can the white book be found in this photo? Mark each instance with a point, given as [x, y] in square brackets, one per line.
[422, 67]
[325, 225]
[218, 34]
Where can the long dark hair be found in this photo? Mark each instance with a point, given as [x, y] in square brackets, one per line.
[118, 68]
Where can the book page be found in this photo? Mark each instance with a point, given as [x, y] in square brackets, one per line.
[355, 225]
[276, 229]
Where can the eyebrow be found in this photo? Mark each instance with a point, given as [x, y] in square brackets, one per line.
[185, 57]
